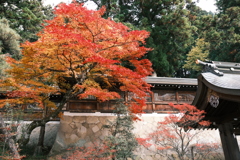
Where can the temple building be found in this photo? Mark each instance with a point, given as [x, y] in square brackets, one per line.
[218, 95]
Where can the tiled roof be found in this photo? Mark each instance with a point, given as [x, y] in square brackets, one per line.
[227, 81]
[170, 80]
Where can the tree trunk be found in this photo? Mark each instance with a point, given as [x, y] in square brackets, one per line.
[40, 145]
[192, 153]
[36, 123]
[8, 140]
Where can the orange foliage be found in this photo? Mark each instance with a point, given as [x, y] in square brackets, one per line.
[96, 54]
[190, 116]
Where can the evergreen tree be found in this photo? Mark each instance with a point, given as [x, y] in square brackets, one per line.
[122, 139]
[223, 5]
[221, 31]
[9, 44]
[9, 39]
[25, 16]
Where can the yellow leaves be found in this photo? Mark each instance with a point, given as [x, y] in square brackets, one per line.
[200, 51]
[49, 104]
[90, 83]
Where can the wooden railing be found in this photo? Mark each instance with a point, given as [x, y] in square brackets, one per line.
[157, 102]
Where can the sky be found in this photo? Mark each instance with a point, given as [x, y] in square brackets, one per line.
[55, 2]
[207, 5]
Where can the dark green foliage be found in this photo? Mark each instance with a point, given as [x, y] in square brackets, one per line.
[226, 31]
[222, 31]
[25, 16]
[223, 5]
[122, 140]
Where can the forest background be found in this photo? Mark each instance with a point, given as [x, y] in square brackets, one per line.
[208, 5]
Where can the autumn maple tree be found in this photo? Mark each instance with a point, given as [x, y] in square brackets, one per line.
[78, 54]
[174, 137]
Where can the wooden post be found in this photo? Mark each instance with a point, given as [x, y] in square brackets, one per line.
[177, 97]
[153, 102]
[229, 142]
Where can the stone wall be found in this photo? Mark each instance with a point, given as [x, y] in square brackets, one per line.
[85, 129]
[78, 130]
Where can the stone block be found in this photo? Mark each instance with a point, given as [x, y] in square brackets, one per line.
[105, 120]
[73, 125]
[89, 132]
[91, 125]
[73, 138]
[67, 135]
[95, 129]
[79, 119]
[67, 119]
[85, 125]
[81, 132]
[65, 127]
[100, 125]
[91, 119]
[79, 125]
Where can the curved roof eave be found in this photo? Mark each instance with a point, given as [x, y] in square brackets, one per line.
[226, 84]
